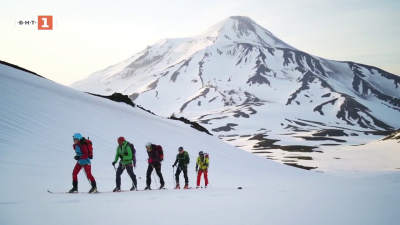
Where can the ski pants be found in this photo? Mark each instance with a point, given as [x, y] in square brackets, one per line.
[205, 176]
[129, 169]
[178, 172]
[77, 169]
[158, 171]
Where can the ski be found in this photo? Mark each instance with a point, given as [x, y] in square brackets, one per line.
[154, 189]
[51, 192]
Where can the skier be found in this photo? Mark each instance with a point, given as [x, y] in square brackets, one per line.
[124, 152]
[83, 161]
[156, 156]
[182, 158]
[203, 163]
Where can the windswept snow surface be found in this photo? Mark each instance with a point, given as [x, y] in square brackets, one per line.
[38, 118]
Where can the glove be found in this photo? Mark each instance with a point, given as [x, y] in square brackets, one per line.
[173, 166]
[90, 157]
[113, 163]
[77, 157]
[197, 169]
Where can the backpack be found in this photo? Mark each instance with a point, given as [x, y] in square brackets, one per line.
[89, 146]
[188, 158]
[133, 153]
[160, 152]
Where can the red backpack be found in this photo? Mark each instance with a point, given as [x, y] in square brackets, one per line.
[89, 145]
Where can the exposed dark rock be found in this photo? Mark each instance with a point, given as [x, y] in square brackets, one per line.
[308, 138]
[208, 120]
[20, 68]
[300, 166]
[297, 148]
[392, 136]
[300, 157]
[264, 142]
[227, 127]
[203, 93]
[326, 95]
[319, 123]
[307, 79]
[258, 152]
[176, 73]
[240, 114]
[192, 124]
[330, 132]
[117, 97]
[319, 107]
[349, 110]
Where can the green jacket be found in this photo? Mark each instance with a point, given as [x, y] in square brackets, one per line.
[125, 152]
[182, 159]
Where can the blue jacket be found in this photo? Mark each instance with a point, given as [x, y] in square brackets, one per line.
[82, 151]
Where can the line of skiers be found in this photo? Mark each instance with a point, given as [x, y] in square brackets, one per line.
[125, 152]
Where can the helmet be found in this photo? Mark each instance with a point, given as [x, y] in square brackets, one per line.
[201, 153]
[180, 149]
[121, 140]
[77, 136]
[148, 144]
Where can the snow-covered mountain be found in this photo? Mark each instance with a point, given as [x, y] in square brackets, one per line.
[38, 118]
[255, 91]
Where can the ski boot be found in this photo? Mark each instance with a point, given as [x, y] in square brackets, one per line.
[205, 186]
[117, 189]
[74, 187]
[186, 186]
[162, 186]
[177, 186]
[134, 188]
[94, 188]
[147, 188]
[198, 187]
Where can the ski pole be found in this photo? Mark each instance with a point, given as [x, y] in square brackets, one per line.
[173, 172]
[154, 176]
[86, 175]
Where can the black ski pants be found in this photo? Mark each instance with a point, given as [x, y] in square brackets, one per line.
[178, 172]
[129, 169]
[158, 171]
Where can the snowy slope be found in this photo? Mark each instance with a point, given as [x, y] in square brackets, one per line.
[38, 118]
[255, 91]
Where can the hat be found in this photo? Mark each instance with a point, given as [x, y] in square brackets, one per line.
[77, 136]
[180, 149]
[121, 140]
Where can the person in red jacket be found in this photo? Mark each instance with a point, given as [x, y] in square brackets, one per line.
[83, 161]
[156, 156]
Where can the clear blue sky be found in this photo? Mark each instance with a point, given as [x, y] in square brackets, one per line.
[91, 35]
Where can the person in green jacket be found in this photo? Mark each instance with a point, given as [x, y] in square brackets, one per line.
[124, 152]
[183, 160]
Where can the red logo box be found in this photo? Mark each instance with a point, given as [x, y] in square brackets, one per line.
[45, 22]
